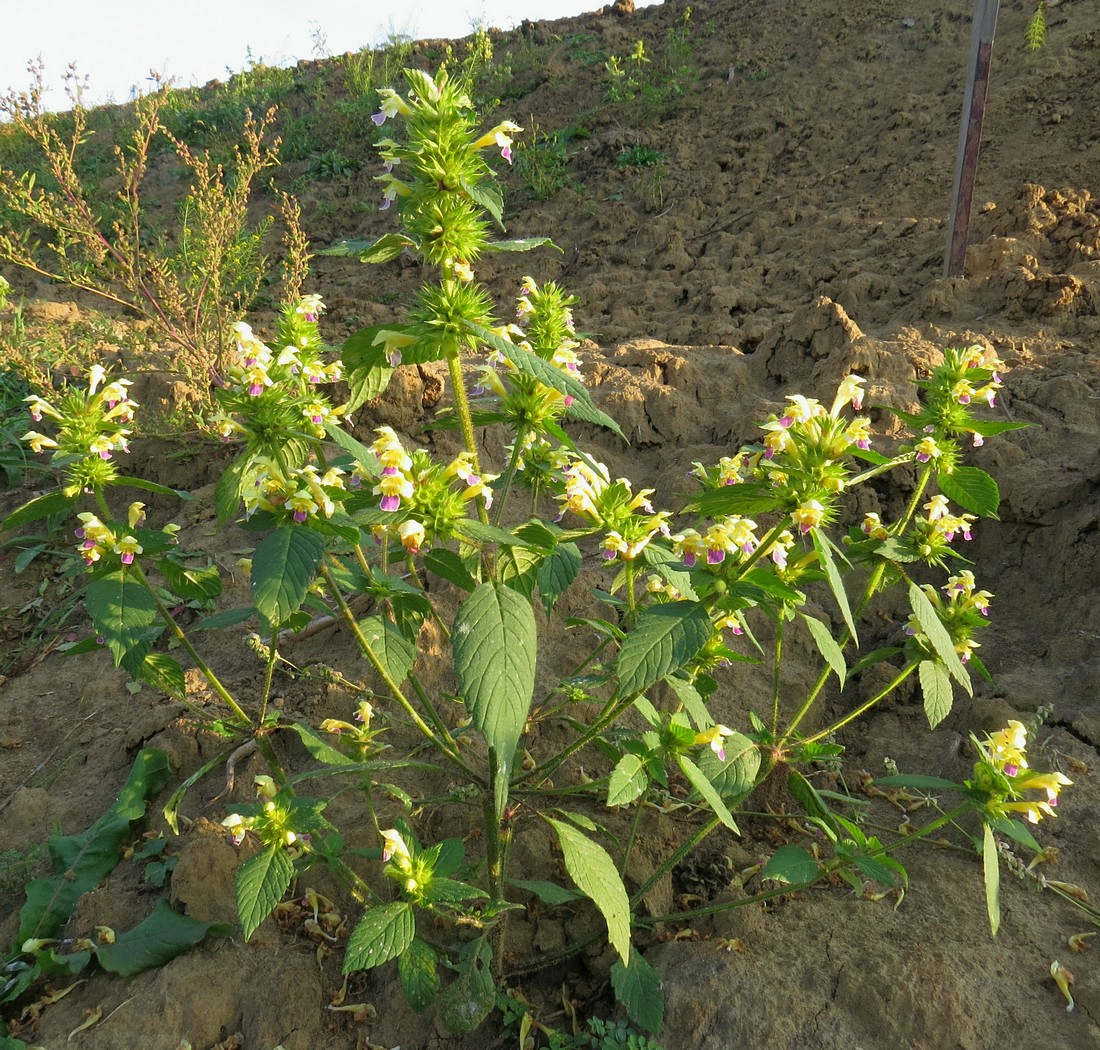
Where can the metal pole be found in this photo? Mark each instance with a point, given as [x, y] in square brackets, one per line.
[970, 133]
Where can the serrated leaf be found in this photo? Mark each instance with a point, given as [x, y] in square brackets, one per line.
[791, 865]
[396, 653]
[367, 370]
[665, 637]
[417, 969]
[549, 892]
[991, 871]
[494, 640]
[487, 194]
[557, 572]
[593, 871]
[628, 780]
[936, 633]
[449, 566]
[283, 567]
[702, 784]
[990, 428]
[972, 489]
[479, 532]
[191, 583]
[225, 618]
[345, 249]
[122, 610]
[549, 375]
[746, 498]
[736, 777]
[155, 941]
[36, 509]
[918, 781]
[319, 747]
[692, 701]
[523, 244]
[388, 246]
[261, 882]
[638, 987]
[518, 567]
[451, 891]
[885, 871]
[471, 996]
[163, 673]
[935, 685]
[227, 491]
[383, 933]
[82, 861]
[827, 646]
[824, 547]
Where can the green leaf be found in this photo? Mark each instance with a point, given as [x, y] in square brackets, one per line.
[122, 610]
[746, 498]
[388, 246]
[523, 244]
[883, 870]
[936, 633]
[155, 941]
[451, 891]
[991, 870]
[171, 807]
[82, 861]
[518, 568]
[150, 486]
[549, 892]
[367, 370]
[449, 566]
[363, 455]
[918, 781]
[972, 489]
[826, 644]
[638, 987]
[395, 652]
[283, 567]
[990, 428]
[479, 532]
[791, 865]
[628, 780]
[824, 547]
[471, 996]
[417, 969]
[319, 747]
[345, 249]
[38, 508]
[557, 572]
[736, 777]
[935, 684]
[494, 639]
[702, 784]
[692, 701]
[227, 492]
[225, 618]
[549, 375]
[383, 933]
[806, 795]
[665, 637]
[487, 194]
[261, 882]
[163, 673]
[595, 875]
[191, 583]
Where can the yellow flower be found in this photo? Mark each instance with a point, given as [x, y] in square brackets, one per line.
[850, 390]
[128, 547]
[715, 736]
[395, 847]
[412, 535]
[809, 515]
[135, 516]
[37, 441]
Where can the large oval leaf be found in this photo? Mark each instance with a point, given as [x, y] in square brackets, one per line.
[382, 934]
[283, 567]
[494, 640]
[590, 866]
[122, 610]
[663, 640]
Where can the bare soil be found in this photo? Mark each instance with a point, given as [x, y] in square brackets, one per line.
[796, 232]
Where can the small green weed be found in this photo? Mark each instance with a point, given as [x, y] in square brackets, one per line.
[542, 160]
[330, 165]
[639, 157]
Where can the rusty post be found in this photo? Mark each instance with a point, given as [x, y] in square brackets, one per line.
[970, 133]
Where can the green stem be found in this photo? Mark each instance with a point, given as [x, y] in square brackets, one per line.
[380, 668]
[674, 858]
[776, 670]
[635, 824]
[900, 677]
[509, 475]
[465, 419]
[185, 643]
[272, 656]
[631, 600]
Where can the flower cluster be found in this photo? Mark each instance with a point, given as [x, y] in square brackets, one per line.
[961, 609]
[93, 424]
[299, 492]
[1001, 777]
[612, 507]
[423, 495]
[270, 396]
[99, 540]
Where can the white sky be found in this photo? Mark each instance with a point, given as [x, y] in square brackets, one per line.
[117, 42]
